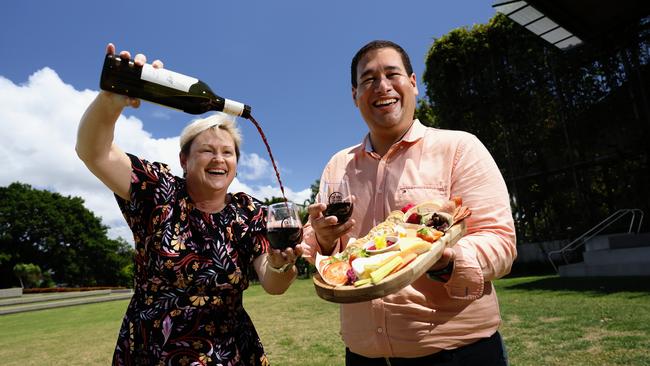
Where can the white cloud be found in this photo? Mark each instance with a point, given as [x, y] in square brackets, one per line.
[252, 167]
[39, 122]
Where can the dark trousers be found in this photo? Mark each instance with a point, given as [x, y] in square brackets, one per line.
[484, 352]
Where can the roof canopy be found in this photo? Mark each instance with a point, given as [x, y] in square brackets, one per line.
[570, 23]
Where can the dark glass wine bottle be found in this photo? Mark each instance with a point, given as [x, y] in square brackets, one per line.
[165, 87]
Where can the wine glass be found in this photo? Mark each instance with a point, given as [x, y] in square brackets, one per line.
[283, 225]
[336, 195]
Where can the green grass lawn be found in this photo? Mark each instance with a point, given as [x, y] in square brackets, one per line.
[546, 321]
[581, 321]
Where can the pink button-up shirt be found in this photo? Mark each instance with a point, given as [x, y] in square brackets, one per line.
[427, 316]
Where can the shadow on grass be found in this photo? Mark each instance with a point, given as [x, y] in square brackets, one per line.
[599, 285]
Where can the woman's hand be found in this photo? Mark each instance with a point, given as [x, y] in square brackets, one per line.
[278, 258]
[121, 101]
[95, 135]
[273, 282]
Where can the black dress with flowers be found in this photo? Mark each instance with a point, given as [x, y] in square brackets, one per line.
[191, 269]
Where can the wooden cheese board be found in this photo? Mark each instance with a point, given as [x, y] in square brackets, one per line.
[394, 282]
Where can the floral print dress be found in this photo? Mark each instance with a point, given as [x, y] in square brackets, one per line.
[191, 269]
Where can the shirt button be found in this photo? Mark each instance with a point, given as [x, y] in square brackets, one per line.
[380, 330]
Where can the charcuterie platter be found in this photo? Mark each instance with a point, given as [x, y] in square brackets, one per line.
[393, 254]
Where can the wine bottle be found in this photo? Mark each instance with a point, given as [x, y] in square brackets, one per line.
[165, 87]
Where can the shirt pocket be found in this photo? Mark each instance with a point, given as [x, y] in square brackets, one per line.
[416, 194]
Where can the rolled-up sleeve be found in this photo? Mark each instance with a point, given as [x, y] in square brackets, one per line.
[488, 249]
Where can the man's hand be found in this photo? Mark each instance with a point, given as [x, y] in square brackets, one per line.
[327, 228]
[448, 255]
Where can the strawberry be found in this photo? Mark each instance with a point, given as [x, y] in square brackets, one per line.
[407, 207]
[414, 218]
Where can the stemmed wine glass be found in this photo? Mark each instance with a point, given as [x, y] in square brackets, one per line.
[336, 195]
[283, 225]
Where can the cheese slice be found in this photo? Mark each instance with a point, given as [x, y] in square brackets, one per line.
[359, 264]
[414, 244]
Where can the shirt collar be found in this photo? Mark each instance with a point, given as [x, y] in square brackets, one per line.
[414, 133]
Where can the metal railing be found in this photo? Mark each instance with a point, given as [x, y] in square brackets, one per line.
[570, 248]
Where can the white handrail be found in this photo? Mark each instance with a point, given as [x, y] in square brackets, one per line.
[582, 239]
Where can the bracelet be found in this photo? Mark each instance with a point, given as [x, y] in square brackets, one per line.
[284, 269]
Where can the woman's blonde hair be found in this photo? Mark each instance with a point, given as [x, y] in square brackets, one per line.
[216, 121]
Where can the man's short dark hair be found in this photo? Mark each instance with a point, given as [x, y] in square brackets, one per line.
[375, 45]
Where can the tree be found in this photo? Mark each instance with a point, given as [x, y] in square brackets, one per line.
[304, 214]
[315, 187]
[28, 274]
[568, 138]
[59, 235]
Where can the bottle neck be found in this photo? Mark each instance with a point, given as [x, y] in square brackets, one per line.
[236, 108]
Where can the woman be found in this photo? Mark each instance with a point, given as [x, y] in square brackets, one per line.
[195, 242]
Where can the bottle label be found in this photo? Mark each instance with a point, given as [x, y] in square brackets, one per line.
[167, 78]
[233, 107]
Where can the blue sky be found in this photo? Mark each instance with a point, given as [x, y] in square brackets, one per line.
[289, 60]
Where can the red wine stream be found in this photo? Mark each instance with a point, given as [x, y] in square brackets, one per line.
[268, 148]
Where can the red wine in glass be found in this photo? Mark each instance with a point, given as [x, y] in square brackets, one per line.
[283, 225]
[284, 237]
[342, 211]
[336, 195]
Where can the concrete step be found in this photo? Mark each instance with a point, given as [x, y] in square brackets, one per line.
[605, 270]
[19, 308]
[617, 241]
[7, 293]
[32, 298]
[618, 256]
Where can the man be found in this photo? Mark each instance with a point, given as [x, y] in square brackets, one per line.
[452, 317]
